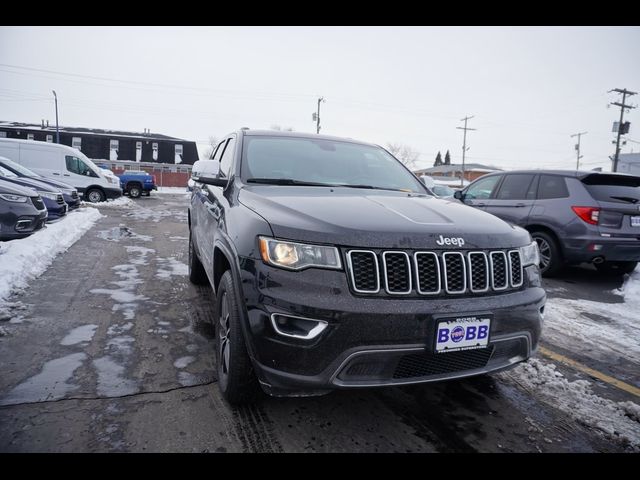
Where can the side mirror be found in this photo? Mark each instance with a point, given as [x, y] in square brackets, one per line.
[215, 181]
[458, 195]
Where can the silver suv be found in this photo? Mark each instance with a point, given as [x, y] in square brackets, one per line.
[574, 216]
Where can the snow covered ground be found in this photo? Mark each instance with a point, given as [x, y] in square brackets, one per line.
[172, 190]
[602, 331]
[25, 259]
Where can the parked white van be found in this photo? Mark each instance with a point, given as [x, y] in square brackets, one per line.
[61, 162]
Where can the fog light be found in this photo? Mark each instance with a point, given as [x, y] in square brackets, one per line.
[297, 327]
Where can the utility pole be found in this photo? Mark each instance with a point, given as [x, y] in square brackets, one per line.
[578, 156]
[316, 116]
[57, 128]
[464, 144]
[622, 106]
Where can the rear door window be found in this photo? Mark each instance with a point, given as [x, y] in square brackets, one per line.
[552, 186]
[516, 187]
[613, 188]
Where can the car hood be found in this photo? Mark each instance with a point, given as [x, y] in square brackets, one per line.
[376, 218]
[14, 189]
[53, 183]
[30, 183]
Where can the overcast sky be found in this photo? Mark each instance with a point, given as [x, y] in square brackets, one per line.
[528, 88]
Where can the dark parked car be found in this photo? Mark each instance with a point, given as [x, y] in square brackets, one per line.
[51, 196]
[22, 211]
[574, 216]
[333, 267]
[69, 193]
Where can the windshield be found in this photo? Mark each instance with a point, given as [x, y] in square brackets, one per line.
[16, 167]
[308, 161]
[7, 173]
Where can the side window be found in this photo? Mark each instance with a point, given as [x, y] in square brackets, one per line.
[76, 165]
[482, 188]
[515, 187]
[227, 158]
[552, 186]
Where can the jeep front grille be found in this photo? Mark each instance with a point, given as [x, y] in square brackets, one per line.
[59, 199]
[433, 272]
[37, 202]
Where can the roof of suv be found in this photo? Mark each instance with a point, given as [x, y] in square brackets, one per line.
[280, 133]
[564, 173]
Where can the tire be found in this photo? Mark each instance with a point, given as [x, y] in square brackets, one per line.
[95, 195]
[134, 191]
[236, 378]
[197, 275]
[616, 268]
[550, 255]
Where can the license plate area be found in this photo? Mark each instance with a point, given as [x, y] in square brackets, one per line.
[462, 333]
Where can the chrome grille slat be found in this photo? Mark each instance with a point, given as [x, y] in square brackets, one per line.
[515, 269]
[397, 273]
[426, 262]
[478, 272]
[434, 272]
[455, 272]
[499, 280]
[361, 276]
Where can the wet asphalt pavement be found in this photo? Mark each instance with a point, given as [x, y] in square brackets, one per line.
[111, 349]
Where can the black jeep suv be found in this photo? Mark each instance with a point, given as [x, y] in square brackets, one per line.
[333, 267]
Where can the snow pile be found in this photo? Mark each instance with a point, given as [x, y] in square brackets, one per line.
[617, 420]
[118, 202]
[630, 290]
[23, 260]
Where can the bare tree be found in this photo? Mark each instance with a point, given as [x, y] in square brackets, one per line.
[278, 127]
[213, 143]
[404, 153]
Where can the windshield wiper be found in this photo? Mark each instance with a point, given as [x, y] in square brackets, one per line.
[372, 187]
[289, 181]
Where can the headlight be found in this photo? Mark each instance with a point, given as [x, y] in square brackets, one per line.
[13, 198]
[296, 256]
[69, 192]
[49, 195]
[530, 254]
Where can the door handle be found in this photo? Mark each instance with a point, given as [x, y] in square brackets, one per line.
[480, 205]
[66, 175]
[55, 173]
[520, 205]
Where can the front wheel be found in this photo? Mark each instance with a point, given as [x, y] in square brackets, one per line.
[236, 379]
[616, 268]
[95, 196]
[550, 255]
[135, 191]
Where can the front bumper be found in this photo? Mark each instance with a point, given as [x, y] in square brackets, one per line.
[20, 226]
[615, 249]
[71, 202]
[375, 341]
[112, 192]
[55, 209]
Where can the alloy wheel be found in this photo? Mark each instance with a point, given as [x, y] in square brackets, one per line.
[545, 253]
[224, 339]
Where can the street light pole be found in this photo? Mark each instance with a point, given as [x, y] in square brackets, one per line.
[57, 128]
[578, 156]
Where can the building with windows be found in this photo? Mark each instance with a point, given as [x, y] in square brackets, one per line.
[629, 163]
[454, 171]
[110, 145]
